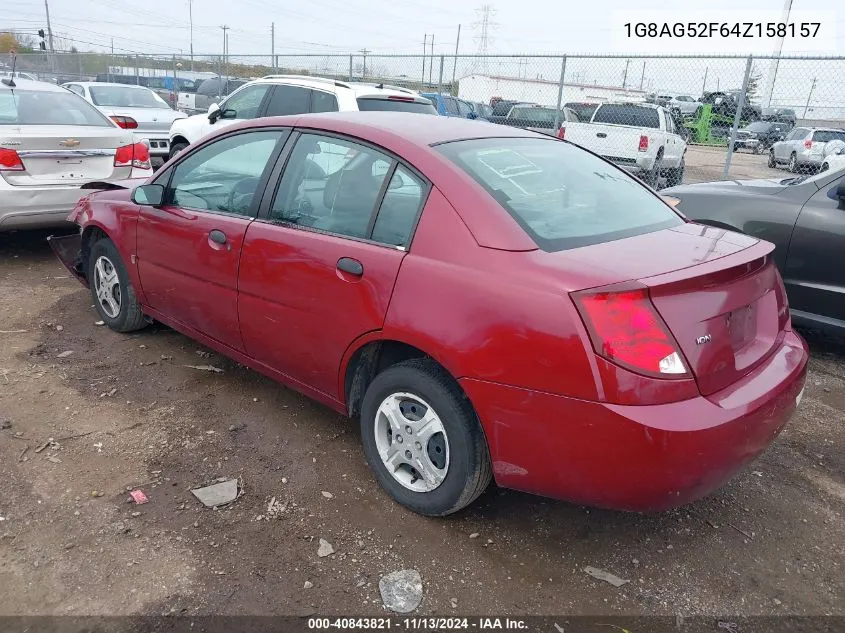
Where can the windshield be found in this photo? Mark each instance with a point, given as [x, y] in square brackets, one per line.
[623, 114]
[125, 97]
[538, 115]
[562, 196]
[42, 107]
[825, 136]
[395, 105]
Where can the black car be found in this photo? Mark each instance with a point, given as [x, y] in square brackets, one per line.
[725, 105]
[760, 135]
[784, 115]
[584, 111]
[804, 217]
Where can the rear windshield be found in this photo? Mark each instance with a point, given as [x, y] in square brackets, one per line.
[502, 108]
[539, 115]
[759, 126]
[126, 97]
[37, 107]
[623, 114]
[824, 136]
[368, 104]
[562, 196]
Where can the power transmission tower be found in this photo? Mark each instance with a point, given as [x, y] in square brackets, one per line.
[364, 52]
[484, 25]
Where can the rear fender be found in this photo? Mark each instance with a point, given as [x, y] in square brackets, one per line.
[68, 248]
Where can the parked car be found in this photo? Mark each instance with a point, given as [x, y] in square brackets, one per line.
[725, 104]
[482, 110]
[277, 95]
[17, 74]
[835, 161]
[132, 108]
[685, 103]
[447, 105]
[803, 148]
[584, 111]
[52, 142]
[760, 135]
[639, 137]
[591, 332]
[804, 217]
[783, 115]
[536, 118]
[201, 96]
[503, 106]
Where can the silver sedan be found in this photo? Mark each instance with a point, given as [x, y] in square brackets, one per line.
[133, 108]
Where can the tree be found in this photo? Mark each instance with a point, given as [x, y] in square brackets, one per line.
[16, 42]
[753, 85]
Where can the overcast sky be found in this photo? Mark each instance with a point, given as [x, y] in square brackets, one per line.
[396, 26]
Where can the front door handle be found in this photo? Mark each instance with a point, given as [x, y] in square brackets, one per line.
[217, 236]
[351, 266]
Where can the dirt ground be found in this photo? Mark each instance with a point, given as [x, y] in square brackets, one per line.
[124, 411]
[704, 164]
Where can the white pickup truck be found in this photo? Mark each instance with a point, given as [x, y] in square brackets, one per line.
[639, 137]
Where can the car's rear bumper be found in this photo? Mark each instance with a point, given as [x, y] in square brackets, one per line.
[157, 141]
[36, 207]
[641, 458]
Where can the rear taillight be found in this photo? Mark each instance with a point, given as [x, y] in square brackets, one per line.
[10, 161]
[126, 122]
[135, 155]
[808, 144]
[643, 147]
[625, 328]
[561, 133]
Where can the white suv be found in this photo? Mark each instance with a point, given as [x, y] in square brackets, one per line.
[277, 95]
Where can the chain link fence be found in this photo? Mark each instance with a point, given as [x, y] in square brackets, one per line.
[670, 119]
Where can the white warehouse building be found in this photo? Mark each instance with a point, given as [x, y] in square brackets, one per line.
[482, 88]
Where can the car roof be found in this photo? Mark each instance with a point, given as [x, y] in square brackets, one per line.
[358, 88]
[104, 83]
[29, 84]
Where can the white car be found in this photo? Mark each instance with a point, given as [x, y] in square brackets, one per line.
[686, 104]
[133, 108]
[278, 95]
[52, 142]
[835, 161]
[638, 137]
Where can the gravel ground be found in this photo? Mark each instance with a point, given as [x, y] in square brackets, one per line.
[124, 411]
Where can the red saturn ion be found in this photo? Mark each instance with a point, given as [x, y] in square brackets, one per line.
[490, 302]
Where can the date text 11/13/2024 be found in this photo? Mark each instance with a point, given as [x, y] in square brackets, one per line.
[418, 624]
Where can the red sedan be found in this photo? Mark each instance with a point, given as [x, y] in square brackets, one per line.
[488, 301]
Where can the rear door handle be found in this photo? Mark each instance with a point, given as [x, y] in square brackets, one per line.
[601, 135]
[351, 266]
[217, 236]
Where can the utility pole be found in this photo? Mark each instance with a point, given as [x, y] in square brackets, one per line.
[455, 65]
[49, 27]
[431, 63]
[364, 52]
[704, 83]
[766, 100]
[642, 77]
[191, 21]
[809, 96]
[625, 74]
[225, 64]
[273, 45]
[425, 54]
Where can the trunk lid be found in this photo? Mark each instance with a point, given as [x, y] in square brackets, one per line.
[611, 141]
[64, 155]
[155, 120]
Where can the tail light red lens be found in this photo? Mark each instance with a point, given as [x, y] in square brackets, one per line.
[10, 161]
[561, 133]
[808, 144]
[643, 147]
[135, 155]
[625, 328]
[126, 122]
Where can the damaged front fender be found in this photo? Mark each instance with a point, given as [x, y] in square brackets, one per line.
[68, 248]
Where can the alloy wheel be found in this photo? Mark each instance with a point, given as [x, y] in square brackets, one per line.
[107, 286]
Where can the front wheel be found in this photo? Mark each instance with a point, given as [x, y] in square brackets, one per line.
[793, 163]
[175, 148]
[824, 167]
[112, 292]
[423, 439]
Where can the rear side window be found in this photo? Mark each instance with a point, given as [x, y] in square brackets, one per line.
[289, 100]
[825, 136]
[562, 196]
[323, 102]
[36, 107]
[399, 209]
[370, 104]
[624, 114]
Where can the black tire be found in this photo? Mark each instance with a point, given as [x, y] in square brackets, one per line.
[736, 147]
[675, 176]
[469, 471]
[653, 176]
[824, 167]
[793, 163]
[772, 163]
[175, 148]
[128, 317]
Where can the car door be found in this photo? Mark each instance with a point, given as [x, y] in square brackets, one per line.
[243, 104]
[672, 151]
[319, 265]
[286, 100]
[188, 249]
[815, 265]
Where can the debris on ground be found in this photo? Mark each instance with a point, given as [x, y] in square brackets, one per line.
[325, 548]
[41, 447]
[401, 591]
[54, 460]
[600, 574]
[138, 496]
[5, 423]
[219, 494]
[120, 527]
[99, 322]
[276, 508]
[308, 584]
[474, 535]
[211, 368]
[65, 354]
[327, 495]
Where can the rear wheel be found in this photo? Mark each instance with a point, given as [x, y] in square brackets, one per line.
[112, 292]
[652, 177]
[793, 163]
[175, 148]
[423, 440]
[675, 177]
[772, 162]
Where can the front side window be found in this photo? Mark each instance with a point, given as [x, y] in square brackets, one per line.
[332, 185]
[451, 105]
[562, 196]
[225, 175]
[245, 103]
[37, 107]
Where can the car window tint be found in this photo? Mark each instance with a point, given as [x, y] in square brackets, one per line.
[398, 211]
[289, 100]
[562, 196]
[323, 102]
[225, 175]
[331, 185]
[451, 105]
[245, 103]
[43, 107]
[464, 108]
[623, 114]
[825, 136]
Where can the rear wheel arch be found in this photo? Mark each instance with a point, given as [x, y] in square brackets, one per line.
[179, 139]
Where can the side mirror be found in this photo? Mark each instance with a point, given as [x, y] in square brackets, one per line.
[213, 112]
[148, 195]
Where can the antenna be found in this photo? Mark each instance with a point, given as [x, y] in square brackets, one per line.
[483, 26]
